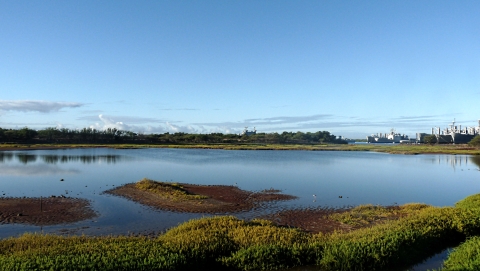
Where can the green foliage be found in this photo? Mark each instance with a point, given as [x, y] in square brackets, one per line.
[405, 241]
[470, 202]
[430, 139]
[113, 135]
[49, 252]
[171, 190]
[465, 257]
[230, 243]
[270, 257]
[367, 214]
[475, 142]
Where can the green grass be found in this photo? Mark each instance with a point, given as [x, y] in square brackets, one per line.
[465, 257]
[394, 149]
[469, 202]
[229, 243]
[172, 191]
[365, 215]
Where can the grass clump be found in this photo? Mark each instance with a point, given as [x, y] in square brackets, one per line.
[364, 215]
[398, 243]
[172, 191]
[465, 257]
[470, 202]
[228, 243]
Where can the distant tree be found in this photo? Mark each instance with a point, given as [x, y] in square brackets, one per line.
[430, 139]
[475, 142]
[50, 133]
[26, 133]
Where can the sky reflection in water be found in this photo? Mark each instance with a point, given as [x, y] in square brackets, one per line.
[359, 177]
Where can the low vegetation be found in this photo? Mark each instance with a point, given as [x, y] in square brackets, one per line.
[465, 257]
[229, 243]
[365, 215]
[113, 135]
[173, 191]
[393, 149]
[475, 142]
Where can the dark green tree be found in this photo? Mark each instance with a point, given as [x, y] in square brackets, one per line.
[475, 142]
[430, 139]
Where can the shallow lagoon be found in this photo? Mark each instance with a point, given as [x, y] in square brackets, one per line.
[359, 177]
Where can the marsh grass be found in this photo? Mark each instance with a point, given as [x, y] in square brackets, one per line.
[469, 202]
[394, 149]
[465, 257]
[228, 243]
[172, 191]
[364, 215]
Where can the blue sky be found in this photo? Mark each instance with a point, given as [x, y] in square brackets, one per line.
[349, 67]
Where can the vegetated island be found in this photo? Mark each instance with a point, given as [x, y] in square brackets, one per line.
[44, 211]
[179, 197]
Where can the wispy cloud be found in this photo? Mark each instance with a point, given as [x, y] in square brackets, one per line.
[179, 109]
[269, 121]
[125, 119]
[36, 106]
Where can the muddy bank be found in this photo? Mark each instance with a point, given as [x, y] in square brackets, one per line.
[315, 220]
[220, 198]
[310, 220]
[44, 211]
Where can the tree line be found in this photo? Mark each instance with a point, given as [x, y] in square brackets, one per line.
[113, 135]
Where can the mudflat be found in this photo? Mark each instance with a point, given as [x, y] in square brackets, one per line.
[220, 199]
[44, 211]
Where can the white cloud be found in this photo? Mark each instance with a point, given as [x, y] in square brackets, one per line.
[109, 123]
[177, 129]
[125, 119]
[36, 106]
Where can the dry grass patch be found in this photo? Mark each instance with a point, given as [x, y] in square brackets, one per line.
[172, 191]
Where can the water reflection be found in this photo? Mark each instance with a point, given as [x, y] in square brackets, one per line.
[85, 159]
[25, 158]
[476, 160]
[5, 156]
[33, 170]
[456, 160]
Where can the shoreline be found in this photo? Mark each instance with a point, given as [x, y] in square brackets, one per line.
[463, 149]
[48, 211]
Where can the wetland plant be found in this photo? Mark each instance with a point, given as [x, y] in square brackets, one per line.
[173, 191]
[229, 243]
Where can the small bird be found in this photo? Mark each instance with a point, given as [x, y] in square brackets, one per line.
[340, 197]
[61, 180]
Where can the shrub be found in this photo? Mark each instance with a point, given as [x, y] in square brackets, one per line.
[475, 142]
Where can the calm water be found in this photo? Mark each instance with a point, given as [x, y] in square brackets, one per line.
[359, 177]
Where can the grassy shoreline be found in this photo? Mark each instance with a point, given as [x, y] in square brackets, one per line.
[392, 149]
[229, 243]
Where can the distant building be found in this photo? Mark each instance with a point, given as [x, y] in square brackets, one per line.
[421, 137]
[249, 133]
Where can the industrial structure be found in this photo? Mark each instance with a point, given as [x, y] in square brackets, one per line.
[249, 133]
[453, 134]
[392, 137]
